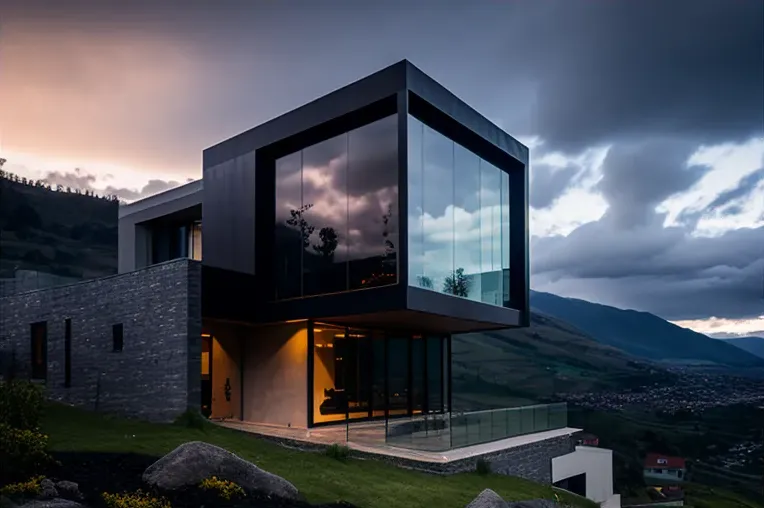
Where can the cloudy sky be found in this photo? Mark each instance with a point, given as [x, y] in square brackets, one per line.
[645, 119]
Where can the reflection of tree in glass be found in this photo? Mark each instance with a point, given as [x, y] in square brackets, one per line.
[424, 281]
[389, 245]
[329, 241]
[297, 220]
[457, 283]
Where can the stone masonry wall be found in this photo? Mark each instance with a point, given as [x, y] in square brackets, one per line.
[155, 376]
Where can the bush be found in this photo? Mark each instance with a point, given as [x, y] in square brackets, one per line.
[21, 404]
[483, 467]
[22, 453]
[338, 452]
[29, 488]
[137, 499]
[193, 420]
[226, 489]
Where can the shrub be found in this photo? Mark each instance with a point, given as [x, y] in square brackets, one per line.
[137, 499]
[21, 404]
[226, 489]
[29, 488]
[22, 452]
[338, 452]
[192, 420]
[482, 467]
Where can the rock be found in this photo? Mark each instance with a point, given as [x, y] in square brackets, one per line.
[68, 490]
[487, 499]
[53, 503]
[48, 489]
[535, 503]
[190, 463]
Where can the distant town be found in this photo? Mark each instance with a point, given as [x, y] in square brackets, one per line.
[692, 391]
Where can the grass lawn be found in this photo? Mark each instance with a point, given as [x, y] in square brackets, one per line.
[321, 479]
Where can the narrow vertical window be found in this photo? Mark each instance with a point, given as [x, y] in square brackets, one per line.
[67, 353]
[117, 337]
[39, 343]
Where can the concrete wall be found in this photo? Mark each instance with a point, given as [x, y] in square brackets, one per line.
[226, 366]
[134, 239]
[596, 463]
[155, 377]
[275, 374]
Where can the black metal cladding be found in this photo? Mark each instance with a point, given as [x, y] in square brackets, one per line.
[400, 88]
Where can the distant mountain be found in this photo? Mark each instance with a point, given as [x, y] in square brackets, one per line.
[64, 233]
[530, 365]
[642, 334]
[754, 345]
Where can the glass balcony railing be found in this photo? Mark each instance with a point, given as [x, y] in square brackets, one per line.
[443, 432]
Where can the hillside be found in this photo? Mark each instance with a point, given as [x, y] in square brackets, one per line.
[642, 334]
[537, 364]
[754, 345]
[63, 233]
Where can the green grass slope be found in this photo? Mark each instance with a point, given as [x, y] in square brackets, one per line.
[320, 478]
[642, 334]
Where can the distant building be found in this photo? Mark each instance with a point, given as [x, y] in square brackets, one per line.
[584, 439]
[664, 470]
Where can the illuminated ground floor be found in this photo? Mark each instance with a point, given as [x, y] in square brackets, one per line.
[307, 373]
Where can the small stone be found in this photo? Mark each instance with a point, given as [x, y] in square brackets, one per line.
[48, 489]
[68, 490]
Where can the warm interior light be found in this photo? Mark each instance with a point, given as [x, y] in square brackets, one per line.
[318, 330]
[206, 335]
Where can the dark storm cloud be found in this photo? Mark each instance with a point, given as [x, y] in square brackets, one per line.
[548, 184]
[638, 176]
[83, 181]
[608, 71]
[658, 270]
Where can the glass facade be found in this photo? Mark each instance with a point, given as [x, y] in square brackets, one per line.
[337, 214]
[458, 219]
[360, 374]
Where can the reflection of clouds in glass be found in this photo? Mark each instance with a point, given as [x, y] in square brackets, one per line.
[458, 217]
[347, 190]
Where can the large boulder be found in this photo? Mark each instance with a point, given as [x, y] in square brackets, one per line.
[190, 463]
[488, 499]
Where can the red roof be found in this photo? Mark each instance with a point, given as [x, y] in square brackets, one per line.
[664, 461]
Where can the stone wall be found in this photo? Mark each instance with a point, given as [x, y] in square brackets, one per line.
[154, 377]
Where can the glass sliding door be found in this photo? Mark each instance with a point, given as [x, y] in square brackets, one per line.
[435, 374]
[378, 375]
[360, 374]
[398, 375]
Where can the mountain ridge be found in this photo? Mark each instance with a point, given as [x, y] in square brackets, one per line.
[642, 334]
[754, 345]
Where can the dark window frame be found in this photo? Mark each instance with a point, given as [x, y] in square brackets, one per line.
[39, 372]
[118, 337]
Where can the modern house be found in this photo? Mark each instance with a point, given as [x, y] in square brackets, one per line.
[344, 243]
[316, 274]
[664, 470]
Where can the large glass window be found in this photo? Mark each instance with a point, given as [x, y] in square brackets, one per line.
[458, 219]
[337, 213]
[360, 373]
